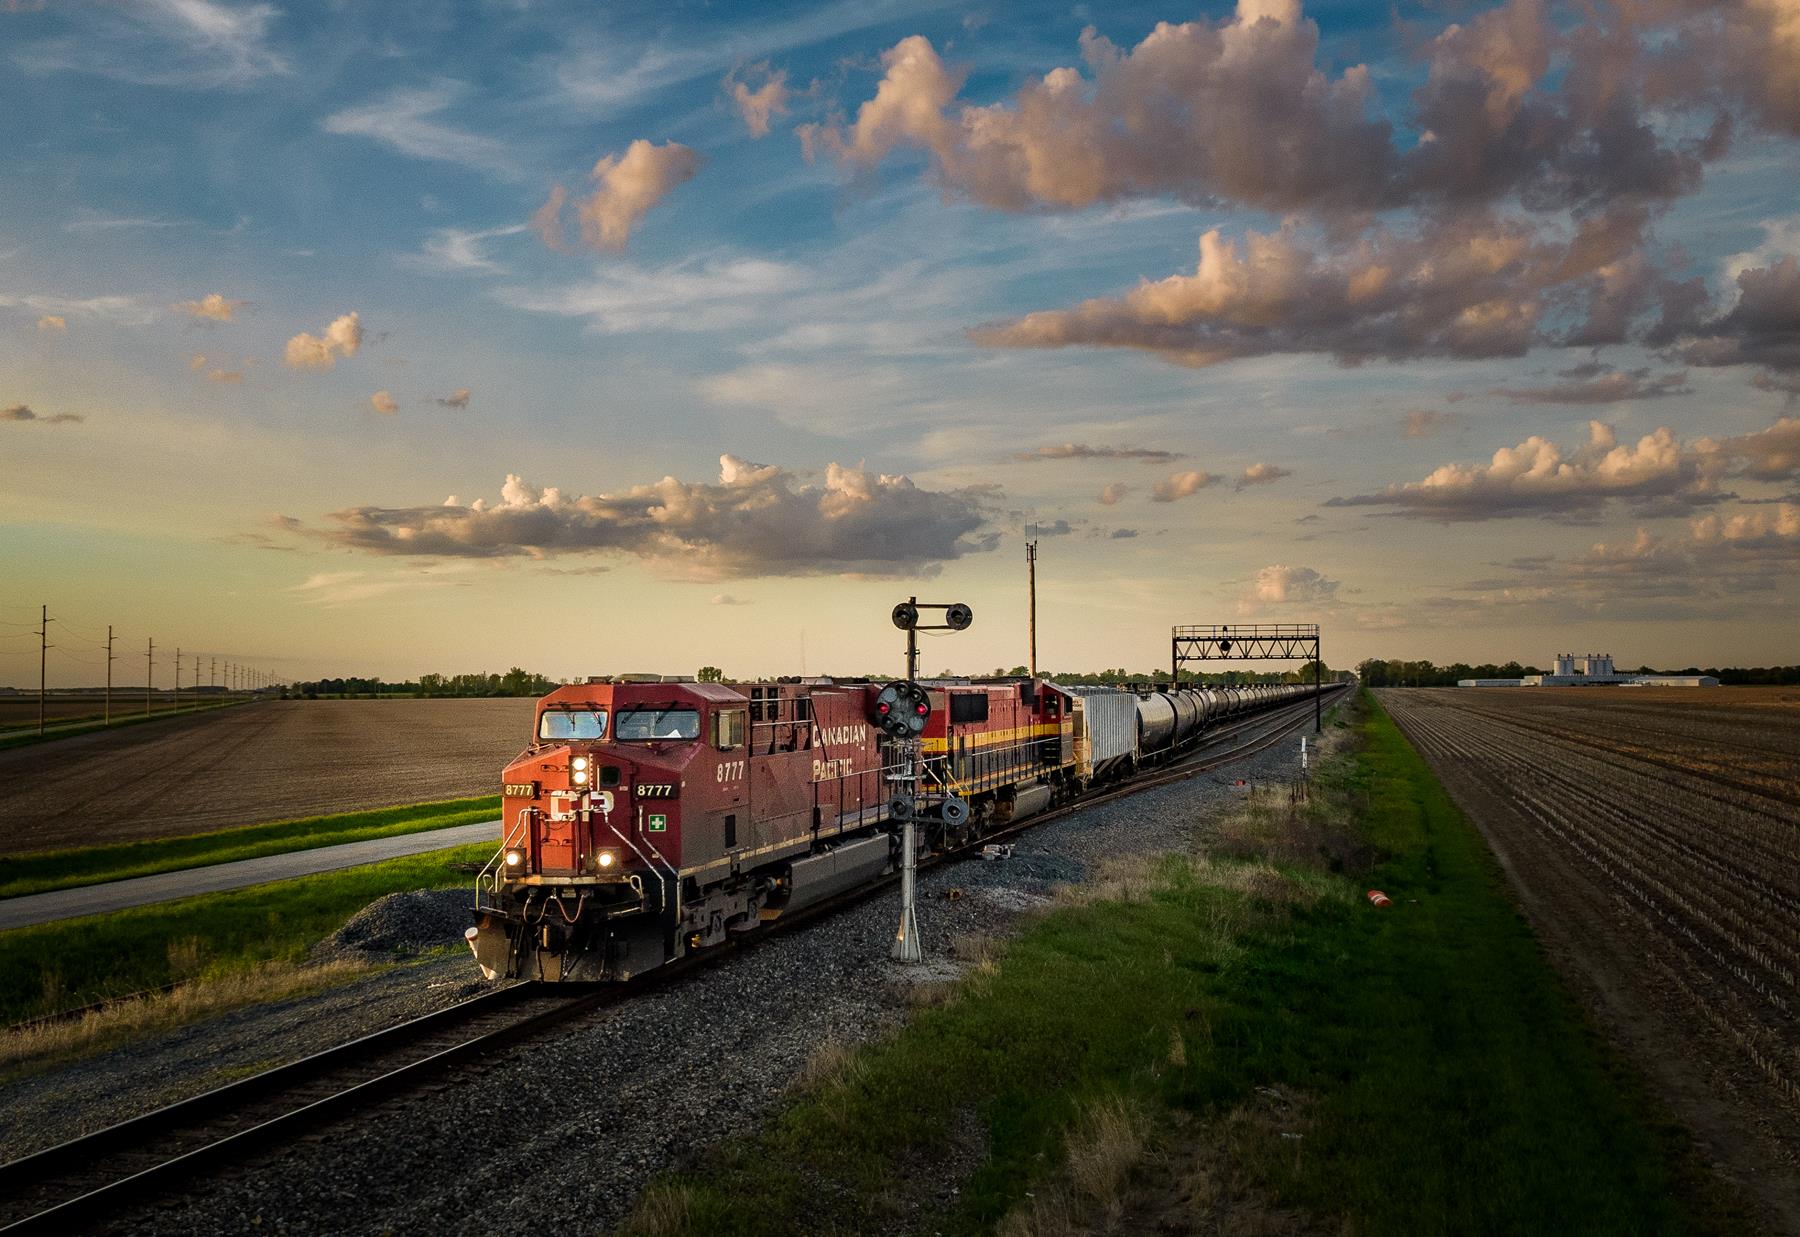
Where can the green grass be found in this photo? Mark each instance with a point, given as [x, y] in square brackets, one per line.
[75, 962]
[63, 728]
[37, 873]
[1449, 1083]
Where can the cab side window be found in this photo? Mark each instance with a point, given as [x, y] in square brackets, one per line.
[729, 726]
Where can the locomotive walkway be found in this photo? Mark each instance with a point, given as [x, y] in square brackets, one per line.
[166, 886]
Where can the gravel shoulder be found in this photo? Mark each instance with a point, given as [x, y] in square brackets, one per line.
[574, 1126]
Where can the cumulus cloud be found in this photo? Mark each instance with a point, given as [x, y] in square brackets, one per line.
[212, 307]
[1111, 495]
[1262, 474]
[1609, 387]
[1241, 109]
[1761, 328]
[1426, 423]
[1538, 477]
[1181, 485]
[758, 520]
[384, 403]
[1081, 451]
[625, 188]
[458, 398]
[23, 412]
[341, 339]
[1471, 286]
[225, 377]
[1122, 534]
[1279, 584]
[53, 324]
[1237, 109]
[1772, 454]
[762, 104]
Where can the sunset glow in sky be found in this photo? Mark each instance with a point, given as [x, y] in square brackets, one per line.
[386, 339]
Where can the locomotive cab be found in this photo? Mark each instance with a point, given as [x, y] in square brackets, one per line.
[592, 825]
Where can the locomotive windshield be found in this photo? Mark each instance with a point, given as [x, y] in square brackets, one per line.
[647, 724]
[572, 724]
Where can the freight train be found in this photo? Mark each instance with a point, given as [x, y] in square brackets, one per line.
[651, 818]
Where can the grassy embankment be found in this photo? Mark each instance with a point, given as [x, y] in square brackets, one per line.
[38, 873]
[224, 949]
[1234, 1039]
[24, 733]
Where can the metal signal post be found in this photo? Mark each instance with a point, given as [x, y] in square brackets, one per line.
[901, 710]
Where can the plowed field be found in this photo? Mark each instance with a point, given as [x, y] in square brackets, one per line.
[1653, 837]
[258, 762]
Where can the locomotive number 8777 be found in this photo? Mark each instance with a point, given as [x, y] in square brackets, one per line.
[653, 817]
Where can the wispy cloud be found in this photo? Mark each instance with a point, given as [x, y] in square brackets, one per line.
[199, 45]
[603, 72]
[457, 250]
[124, 310]
[1082, 451]
[88, 220]
[21, 413]
[706, 295]
[406, 120]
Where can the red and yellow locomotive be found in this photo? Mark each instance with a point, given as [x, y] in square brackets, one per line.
[653, 817]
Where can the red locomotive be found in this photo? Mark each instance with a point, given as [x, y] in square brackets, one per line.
[653, 817]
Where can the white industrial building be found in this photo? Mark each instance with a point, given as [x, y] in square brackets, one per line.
[1593, 670]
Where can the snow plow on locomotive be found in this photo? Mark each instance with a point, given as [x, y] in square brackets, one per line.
[651, 818]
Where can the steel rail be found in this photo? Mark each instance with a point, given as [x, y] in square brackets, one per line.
[243, 1105]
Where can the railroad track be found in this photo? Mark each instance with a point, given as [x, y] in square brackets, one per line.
[67, 1187]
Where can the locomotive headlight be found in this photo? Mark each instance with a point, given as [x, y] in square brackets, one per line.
[515, 858]
[607, 859]
[578, 769]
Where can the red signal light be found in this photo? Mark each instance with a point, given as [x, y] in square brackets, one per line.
[922, 710]
[883, 707]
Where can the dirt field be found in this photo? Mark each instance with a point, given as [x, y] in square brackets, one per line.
[1653, 837]
[21, 712]
[260, 762]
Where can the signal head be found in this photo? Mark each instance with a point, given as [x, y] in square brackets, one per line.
[901, 710]
[958, 617]
[906, 616]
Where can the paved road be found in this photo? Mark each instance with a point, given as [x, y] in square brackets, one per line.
[165, 886]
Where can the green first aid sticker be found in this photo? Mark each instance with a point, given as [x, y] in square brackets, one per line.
[659, 823]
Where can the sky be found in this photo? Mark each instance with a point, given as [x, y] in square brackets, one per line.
[386, 339]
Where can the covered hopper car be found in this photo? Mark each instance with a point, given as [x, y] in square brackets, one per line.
[650, 818]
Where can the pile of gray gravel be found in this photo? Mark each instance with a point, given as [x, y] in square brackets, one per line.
[400, 925]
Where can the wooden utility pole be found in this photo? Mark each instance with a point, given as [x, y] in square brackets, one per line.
[43, 659]
[1031, 574]
[178, 678]
[149, 672]
[109, 662]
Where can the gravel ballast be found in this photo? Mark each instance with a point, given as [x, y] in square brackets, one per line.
[573, 1126]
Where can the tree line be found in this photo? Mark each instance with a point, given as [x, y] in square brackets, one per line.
[1379, 672]
[515, 682]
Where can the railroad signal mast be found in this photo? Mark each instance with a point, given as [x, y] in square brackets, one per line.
[1249, 642]
[901, 711]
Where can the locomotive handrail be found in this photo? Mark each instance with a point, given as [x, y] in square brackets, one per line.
[497, 863]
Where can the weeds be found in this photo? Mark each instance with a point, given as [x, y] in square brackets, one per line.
[40, 1045]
